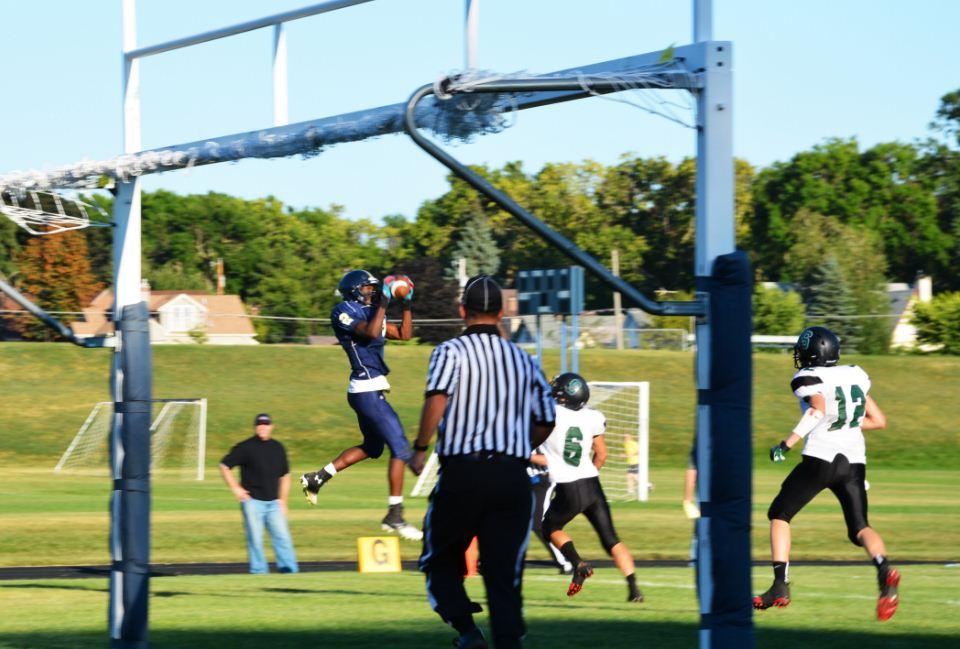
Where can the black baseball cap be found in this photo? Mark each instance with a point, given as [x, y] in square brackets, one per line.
[261, 419]
[482, 295]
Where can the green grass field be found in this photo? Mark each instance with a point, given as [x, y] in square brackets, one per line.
[45, 520]
[832, 609]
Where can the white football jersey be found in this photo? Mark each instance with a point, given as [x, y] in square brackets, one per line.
[844, 389]
[568, 449]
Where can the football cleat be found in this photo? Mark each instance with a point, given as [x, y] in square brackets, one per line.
[889, 595]
[636, 597]
[311, 483]
[777, 595]
[393, 522]
[581, 574]
[471, 640]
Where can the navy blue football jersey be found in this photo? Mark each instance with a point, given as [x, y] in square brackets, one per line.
[365, 354]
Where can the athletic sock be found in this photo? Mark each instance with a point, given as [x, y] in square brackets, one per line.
[632, 584]
[883, 567]
[780, 571]
[394, 500]
[570, 554]
[464, 624]
[330, 470]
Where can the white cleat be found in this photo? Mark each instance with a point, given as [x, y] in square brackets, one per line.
[393, 522]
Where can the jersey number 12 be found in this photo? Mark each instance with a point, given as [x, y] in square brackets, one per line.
[859, 401]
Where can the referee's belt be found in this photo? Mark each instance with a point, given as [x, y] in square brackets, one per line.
[480, 456]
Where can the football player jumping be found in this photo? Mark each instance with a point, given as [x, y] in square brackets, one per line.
[836, 408]
[576, 478]
[361, 327]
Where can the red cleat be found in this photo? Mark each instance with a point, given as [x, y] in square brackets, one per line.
[777, 595]
[580, 574]
[889, 596]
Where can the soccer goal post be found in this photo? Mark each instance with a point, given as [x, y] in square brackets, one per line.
[626, 473]
[178, 439]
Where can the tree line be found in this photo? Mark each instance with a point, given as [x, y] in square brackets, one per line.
[831, 225]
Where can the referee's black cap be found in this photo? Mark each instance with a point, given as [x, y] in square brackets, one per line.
[482, 295]
[262, 419]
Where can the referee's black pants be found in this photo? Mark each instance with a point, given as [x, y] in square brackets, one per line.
[490, 498]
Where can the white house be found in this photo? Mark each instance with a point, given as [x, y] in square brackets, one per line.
[187, 317]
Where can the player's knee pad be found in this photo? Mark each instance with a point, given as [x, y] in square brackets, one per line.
[547, 528]
[776, 513]
[372, 449]
[854, 536]
[609, 544]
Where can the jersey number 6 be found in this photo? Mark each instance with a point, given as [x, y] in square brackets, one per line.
[572, 449]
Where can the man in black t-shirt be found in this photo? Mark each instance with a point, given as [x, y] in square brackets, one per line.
[262, 492]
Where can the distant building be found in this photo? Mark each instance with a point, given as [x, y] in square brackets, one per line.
[903, 298]
[186, 317]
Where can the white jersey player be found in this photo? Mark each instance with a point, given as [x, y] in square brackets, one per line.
[836, 408]
[575, 451]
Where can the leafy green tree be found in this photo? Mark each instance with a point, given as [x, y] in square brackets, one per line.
[861, 269]
[777, 312]
[938, 322]
[883, 190]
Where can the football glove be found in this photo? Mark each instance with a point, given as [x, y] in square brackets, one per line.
[691, 510]
[386, 286]
[779, 452]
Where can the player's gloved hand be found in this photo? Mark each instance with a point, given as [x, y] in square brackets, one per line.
[386, 288]
[779, 452]
[409, 296]
[691, 510]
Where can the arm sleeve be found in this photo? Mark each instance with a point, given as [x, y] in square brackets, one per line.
[345, 319]
[443, 371]
[864, 381]
[233, 458]
[542, 404]
[805, 385]
[601, 423]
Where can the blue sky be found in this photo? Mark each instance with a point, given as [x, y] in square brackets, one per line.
[804, 71]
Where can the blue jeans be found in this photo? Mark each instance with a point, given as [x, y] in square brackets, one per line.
[256, 514]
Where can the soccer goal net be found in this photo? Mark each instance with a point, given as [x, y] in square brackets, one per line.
[178, 439]
[626, 473]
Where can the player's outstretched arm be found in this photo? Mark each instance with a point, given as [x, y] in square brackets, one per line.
[405, 330]
[874, 419]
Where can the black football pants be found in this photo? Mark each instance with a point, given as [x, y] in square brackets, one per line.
[490, 498]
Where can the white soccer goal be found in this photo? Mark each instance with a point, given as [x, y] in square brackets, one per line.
[178, 439]
[626, 473]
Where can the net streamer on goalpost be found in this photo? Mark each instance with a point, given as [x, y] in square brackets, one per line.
[456, 115]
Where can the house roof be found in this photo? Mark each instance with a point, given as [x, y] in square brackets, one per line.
[226, 314]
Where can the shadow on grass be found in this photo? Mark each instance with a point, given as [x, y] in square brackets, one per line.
[156, 593]
[579, 634]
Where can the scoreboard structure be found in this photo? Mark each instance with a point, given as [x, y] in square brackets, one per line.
[556, 292]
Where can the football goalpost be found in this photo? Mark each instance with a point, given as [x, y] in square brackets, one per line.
[456, 108]
[626, 473]
[178, 439]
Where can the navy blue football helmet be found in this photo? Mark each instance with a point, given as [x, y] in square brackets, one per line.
[570, 390]
[352, 282]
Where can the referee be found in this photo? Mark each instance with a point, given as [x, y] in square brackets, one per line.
[491, 405]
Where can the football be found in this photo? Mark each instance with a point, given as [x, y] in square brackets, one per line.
[401, 286]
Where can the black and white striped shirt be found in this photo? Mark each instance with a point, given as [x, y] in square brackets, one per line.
[496, 393]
